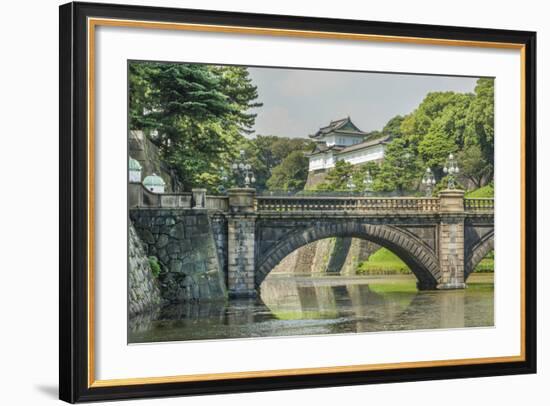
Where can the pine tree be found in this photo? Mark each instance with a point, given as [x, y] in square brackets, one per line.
[200, 114]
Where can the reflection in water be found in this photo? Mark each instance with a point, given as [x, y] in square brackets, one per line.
[305, 305]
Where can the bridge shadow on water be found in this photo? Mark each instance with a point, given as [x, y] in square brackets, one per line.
[306, 305]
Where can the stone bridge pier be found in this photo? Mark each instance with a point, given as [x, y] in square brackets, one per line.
[451, 240]
[241, 242]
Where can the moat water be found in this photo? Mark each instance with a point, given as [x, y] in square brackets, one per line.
[292, 305]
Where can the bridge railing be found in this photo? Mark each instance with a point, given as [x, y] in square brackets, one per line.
[220, 203]
[363, 204]
[175, 201]
[479, 204]
[139, 196]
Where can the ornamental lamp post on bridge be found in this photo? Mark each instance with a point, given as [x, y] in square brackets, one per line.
[224, 178]
[350, 185]
[241, 220]
[451, 169]
[428, 180]
[451, 231]
[367, 182]
[243, 170]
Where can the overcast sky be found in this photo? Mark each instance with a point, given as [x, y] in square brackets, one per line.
[297, 102]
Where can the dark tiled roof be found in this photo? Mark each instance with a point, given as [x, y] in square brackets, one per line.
[335, 124]
[349, 132]
[342, 126]
[321, 148]
[365, 144]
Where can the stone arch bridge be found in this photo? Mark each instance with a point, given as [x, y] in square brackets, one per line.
[441, 239]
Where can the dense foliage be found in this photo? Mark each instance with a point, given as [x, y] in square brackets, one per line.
[383, 262]
[266, 154]
[487, 191]
[199, 116]
[443, 123]
[196, 114]
[290, 174]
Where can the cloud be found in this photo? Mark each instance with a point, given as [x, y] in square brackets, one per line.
[297, 102]
[275, 120]
[310, 83]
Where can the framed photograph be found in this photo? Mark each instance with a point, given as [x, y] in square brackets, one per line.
[257, 202]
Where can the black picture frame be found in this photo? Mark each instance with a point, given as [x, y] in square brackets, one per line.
[74, 385]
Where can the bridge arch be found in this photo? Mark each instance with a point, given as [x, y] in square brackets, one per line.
[478, 252]
[419, 257]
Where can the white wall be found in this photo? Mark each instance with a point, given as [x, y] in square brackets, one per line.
[28, 292]
[317, 162]
[325, 161]
[364, 155]
[340, 140]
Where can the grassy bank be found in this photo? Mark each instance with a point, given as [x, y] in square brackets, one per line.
[487, 264]
[408, 286]
[485, 191]
[383, 262]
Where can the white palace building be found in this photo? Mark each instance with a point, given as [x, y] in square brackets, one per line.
[342, 140]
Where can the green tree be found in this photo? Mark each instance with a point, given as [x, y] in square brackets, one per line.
[266, 152]
[139, 93]
[237, 86]
[400, 171]
[338, 177]
[473, 165]
[480, 120]
[360, 174]
[435, 148]
[445, 134]
[393, 126]
[290, 174]
[436, 113]
[199, 112]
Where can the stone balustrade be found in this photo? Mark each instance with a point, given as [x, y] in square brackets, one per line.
[140, 197]
[441, 239]
[479, 204]
[219, 203]
[347, 204]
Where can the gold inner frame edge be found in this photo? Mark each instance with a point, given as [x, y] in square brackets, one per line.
[94, 22]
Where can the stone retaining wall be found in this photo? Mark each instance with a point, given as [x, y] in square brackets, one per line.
[328, 256]
[183, 242]
[360, 250]
[311, 258]
[143, 288]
